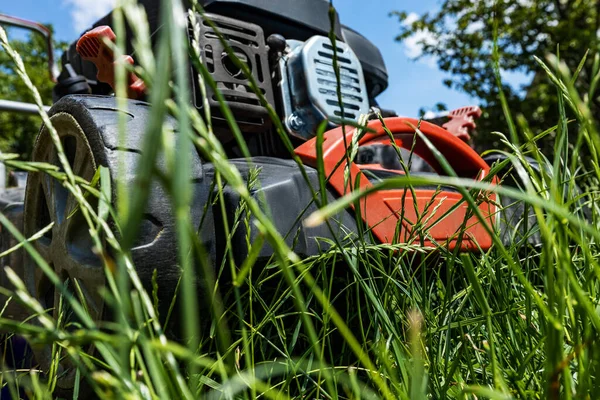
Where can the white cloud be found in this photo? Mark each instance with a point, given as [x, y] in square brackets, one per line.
[410, 19]
[430, 115]
[413, 45]
[85, 12]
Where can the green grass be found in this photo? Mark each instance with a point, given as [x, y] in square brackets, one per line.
[359, 321]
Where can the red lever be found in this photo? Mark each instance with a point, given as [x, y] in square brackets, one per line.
[387, 211]
[462, 122]
[92, 47]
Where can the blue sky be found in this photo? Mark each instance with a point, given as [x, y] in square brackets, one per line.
[413, 84]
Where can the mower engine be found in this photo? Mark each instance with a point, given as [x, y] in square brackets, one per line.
[285, 46]
[289, 62]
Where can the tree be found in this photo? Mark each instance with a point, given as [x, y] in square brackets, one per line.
[17, 131]
[460, 36]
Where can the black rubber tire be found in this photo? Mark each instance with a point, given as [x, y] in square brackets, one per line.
[156, 246]
[516, 219]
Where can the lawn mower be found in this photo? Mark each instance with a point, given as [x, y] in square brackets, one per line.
[287, 48]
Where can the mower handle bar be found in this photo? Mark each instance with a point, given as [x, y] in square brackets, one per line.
[42, 30]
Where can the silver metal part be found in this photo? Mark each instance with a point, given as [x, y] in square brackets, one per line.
[20, 107]
[310, 87]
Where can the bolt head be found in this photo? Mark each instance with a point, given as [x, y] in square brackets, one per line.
[296, 122]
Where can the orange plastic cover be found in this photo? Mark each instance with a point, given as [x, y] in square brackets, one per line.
[382, 210]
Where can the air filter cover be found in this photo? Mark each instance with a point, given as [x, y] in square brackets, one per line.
[313, 86]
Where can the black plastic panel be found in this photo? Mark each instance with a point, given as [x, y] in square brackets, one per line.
[516, 218]
[294, 19]
[288, 200]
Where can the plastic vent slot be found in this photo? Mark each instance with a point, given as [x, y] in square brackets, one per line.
[353, 95]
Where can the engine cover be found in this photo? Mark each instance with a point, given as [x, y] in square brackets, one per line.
[309, 86]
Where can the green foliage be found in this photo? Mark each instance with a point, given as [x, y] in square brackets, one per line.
[17, 131]
[460, 36]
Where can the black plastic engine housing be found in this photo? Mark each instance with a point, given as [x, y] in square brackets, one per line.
[279, 179]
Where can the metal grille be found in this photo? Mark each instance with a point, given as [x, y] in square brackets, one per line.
[248, 44]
